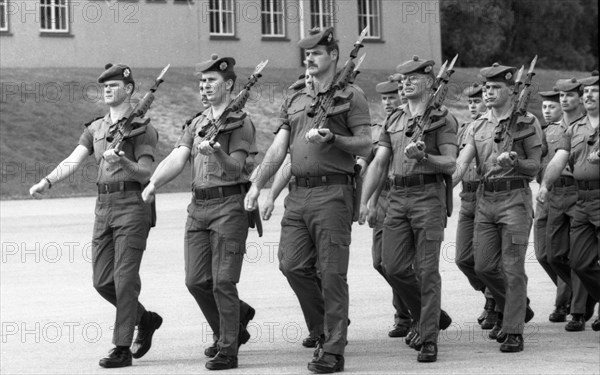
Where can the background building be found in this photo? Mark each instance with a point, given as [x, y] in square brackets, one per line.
[151, 33]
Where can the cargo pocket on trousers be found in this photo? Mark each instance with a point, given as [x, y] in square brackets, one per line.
[136, 242]
[434, 235]
[233, 255]
[520, 242]
[335, 258]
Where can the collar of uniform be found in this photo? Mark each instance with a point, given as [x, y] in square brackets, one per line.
[488, 115]
[237, 115]
[578, 119]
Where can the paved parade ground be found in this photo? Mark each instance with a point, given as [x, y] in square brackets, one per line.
[53, 321]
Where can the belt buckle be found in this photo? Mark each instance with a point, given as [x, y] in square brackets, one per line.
[106, 188]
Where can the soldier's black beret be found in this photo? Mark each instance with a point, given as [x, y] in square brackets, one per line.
[317, 37]
[590, 81]
[551, 96]
[474, 90]
[116, 72]
[416, 65]
[215, 63]
[387, 87]
[566, 85]
[499, 73]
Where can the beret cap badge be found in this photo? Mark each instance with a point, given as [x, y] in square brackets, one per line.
[427, 69]
[126, 72]
[508, 76]
[223, 66]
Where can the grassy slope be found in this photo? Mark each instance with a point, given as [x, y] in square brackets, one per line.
[42, 112]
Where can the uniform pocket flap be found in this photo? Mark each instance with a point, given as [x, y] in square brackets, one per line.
[520, 239]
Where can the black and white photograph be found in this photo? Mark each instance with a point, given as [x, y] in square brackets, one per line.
[299, 187]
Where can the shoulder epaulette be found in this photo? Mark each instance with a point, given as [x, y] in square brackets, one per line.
[90, 123]
[189, 121]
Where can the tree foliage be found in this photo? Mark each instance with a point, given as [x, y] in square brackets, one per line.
[564, 33]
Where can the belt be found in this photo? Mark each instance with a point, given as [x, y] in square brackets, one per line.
[330, 179]
[588, 185]
[504, 185]
[219, 191]
[114, 187]
[386, 186]
[564, 181]
[414, 180]
[470, 186]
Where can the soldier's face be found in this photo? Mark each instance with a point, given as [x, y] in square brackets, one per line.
[551, 111]
[590, 98]
[318, 61]
[570, 101]
[390, 102]
[476, 106]
[497, 94]
[215, 88]
[402, 95]
[415, 85]
[115, 92]
[203, 98]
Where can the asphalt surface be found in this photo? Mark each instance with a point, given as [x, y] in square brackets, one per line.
[53, 321]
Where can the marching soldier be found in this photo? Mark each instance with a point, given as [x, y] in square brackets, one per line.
[217, 224]
[552, 112]
[465, 259]
[390, 100]
[504, 210]
[413, 229]
[579, 149]
[122, 220]
[552, 218]
[318, 214]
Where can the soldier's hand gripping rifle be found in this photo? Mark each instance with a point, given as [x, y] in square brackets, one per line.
[508, 133]
[127, 128]
[320, 108]
[434, 103]
[220, 125]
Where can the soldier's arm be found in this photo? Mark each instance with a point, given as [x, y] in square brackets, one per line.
[375, 174]
[358, 144]
[446, 162]
[462, 163]
[555, 167]
[374, 181]
[170, 167]
[63, 170]
[139, 171]
[273, 159]
[282, 178]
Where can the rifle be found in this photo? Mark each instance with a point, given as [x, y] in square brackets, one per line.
[506, 133]
[211, 130]
[434, 103]
[320, 107]
[127, 128]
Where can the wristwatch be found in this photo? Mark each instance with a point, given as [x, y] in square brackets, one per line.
[424, 158]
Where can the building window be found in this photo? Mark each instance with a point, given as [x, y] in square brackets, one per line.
[321, 13]
[273, 18]
[221, 17]
[368, 15]
[3, 15]
[54, 16]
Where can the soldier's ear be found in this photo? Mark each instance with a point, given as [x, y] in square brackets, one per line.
[229, 85]
[129, 88]
[334, 54]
